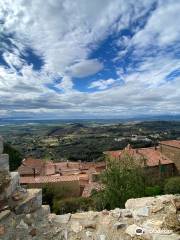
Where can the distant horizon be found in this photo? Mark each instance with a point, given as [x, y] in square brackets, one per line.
[135, 118]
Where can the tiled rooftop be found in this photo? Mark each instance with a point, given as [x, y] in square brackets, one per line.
[29, 164]
[48, 179]
[153, 157]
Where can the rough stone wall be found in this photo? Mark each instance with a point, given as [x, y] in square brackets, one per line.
[24, 217]
[173, 153]
[159, 172]
[145, 218]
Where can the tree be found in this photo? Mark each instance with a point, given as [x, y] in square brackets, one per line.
[15, 157]
[123, 179]
[172, 185]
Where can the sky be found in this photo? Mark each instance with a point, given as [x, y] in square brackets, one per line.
[89, 59]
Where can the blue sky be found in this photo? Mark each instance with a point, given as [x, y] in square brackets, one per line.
[88, 59]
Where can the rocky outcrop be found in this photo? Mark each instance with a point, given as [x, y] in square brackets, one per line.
[22, 216]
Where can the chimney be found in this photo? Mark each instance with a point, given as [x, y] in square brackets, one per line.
[80, 165]
[34, 172]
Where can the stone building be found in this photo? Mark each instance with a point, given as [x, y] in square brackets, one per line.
[171, 149]
[70, 185]
[155, 164]
[75, 176]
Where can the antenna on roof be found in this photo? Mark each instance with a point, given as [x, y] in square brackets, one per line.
[34, 172]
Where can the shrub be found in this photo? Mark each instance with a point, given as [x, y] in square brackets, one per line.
[50, 192]
[172, 185]
[123, 179]
[72, 205]
[153, 191]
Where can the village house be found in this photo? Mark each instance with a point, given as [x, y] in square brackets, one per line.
[154, 163]
[77, 176]
[171, 149]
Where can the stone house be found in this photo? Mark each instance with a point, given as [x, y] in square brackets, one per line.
[76, 176]
[155, 164]
[171, 149]
[36, 167]
[70, 184]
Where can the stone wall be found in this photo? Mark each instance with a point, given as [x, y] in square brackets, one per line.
[173, 153]
[24, 217]
[159, 172]
[72, 188]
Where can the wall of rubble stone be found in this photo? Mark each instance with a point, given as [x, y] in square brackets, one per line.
[22, 216]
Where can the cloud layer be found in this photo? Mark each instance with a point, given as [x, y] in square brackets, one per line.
[99, 58]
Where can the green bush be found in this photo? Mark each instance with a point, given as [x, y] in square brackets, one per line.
[72, 205]
[153, 191]
[172, 185]
[123, 179]
[50, 193]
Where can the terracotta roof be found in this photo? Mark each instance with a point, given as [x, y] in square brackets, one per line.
[24, 170]
[77, 165]
[153, 157]
[35, 162]
[172, 143]
[29, 164]
[48, 179]
[114, 154]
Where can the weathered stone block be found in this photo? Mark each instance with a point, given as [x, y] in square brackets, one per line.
[132, 230]
[13, 184]
[43, 211]
[31, 203]
[4, 183]
[4, 162]
[4, 214]
[62, 219]
[142, 212]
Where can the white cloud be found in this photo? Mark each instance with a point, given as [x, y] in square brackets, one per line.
[162, 28]
[102, 84]
[13, 59]
[66, 83]
[85, 68]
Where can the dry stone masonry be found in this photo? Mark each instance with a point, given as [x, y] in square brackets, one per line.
[22, 216]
